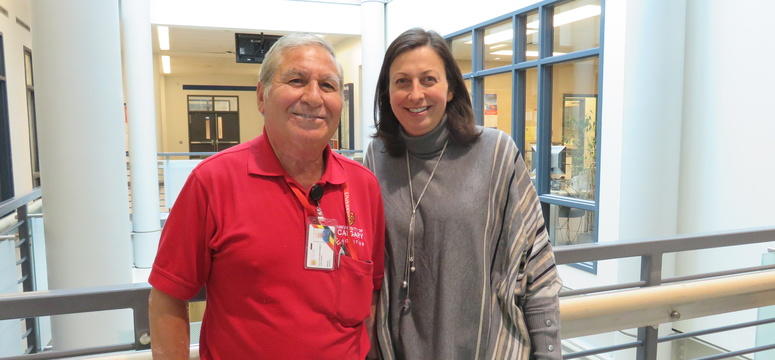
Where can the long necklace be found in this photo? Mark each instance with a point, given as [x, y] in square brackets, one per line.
[409, 261]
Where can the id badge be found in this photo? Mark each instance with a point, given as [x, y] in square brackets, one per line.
[322, 250]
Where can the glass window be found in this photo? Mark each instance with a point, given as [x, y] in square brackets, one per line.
[200, 103]
[531, 117]
[498, 44]
[574, 116]
[576, 26]
[470, 89]
[570, 226]
[28, 67]
[497, 101]
[462, 49]
[531, 35]
[560, 99]
[225, 103]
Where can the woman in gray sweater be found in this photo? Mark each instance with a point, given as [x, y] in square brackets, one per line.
[470, 272]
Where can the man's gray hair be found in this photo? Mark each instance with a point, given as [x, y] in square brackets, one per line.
[275, 55]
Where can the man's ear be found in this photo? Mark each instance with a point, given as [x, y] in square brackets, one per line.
[260, 97]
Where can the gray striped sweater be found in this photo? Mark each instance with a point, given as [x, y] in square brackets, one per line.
[485, 285]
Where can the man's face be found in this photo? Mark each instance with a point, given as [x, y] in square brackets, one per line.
[304, 103]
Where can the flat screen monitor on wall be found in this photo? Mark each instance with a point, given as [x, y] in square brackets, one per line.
[557, 163]
[251, 48]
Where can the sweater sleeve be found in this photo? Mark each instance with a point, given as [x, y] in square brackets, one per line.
[528, 285]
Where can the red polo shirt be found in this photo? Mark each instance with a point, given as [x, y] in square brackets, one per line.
[237, 229]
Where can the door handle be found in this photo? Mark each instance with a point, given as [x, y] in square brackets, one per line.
[207, 128]
[220, 127]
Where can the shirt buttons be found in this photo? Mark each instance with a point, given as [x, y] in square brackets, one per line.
[548, 322]
[550, 347]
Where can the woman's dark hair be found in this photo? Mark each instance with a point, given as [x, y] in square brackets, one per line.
[460, 116]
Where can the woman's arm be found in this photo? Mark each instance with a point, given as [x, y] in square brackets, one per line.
[528, 283]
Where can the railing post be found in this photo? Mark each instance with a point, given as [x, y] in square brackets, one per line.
[651, 273]
[28, 274]
[141, 321]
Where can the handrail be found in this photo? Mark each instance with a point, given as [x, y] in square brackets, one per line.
[621, 310]
[660, 304]
[622, 249]
[16, 202]
[610, 311]
[651, 253]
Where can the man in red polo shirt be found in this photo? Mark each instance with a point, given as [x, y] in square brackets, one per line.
[286, 236]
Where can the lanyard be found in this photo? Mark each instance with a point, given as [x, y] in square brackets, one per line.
[311, 210]
[315, 210]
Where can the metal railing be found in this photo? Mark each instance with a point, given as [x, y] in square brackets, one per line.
[751, 287]
[651, 253]
[164, 159]
[18, 230]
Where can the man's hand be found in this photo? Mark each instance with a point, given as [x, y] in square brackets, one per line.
[169, 326]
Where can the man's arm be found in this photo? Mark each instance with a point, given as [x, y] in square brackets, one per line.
[169, 326]
[371, 327]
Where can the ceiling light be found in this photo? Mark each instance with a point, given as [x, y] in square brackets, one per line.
[497, 46]
[165, 64]
[164, 37]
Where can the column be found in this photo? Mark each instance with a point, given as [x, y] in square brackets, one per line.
[373, 49]
[81, 142]
[141, 114]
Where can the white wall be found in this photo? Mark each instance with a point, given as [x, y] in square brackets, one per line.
[726, 173]
[172, 120]
[444, 16]
[269, 15]
[175, 117]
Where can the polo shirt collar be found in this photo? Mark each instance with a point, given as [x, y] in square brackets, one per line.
[264, 162]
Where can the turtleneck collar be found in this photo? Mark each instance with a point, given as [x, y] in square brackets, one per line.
[429, 145]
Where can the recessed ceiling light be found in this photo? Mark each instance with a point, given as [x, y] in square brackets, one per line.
[165, 64]
[164, 37]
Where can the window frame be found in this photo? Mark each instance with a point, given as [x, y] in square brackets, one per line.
[544, 65]
[6, 160]
[32, 119]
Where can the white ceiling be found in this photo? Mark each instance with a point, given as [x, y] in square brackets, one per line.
[210, 51]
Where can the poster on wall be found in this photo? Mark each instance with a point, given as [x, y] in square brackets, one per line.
[491, 110]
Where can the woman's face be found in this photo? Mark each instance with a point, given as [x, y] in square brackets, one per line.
[418, 90]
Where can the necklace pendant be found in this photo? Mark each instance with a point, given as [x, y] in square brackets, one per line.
[406, 304]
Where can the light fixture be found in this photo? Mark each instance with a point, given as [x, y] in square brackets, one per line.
[164, 37]
[497, 46]
[165, 64]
